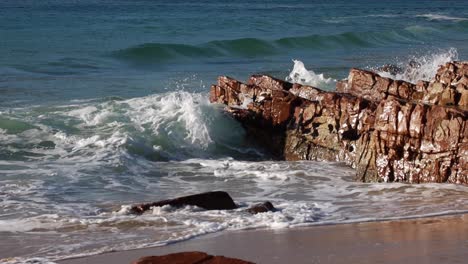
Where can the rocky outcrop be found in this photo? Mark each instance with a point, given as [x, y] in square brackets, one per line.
[389, 130]
[217, 200]
[209, 200]
[448, 87]
[189, 258]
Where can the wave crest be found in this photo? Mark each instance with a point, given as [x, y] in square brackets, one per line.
[174, 125]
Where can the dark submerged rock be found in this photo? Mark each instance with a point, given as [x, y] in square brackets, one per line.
[189, 258]
[217, 200]
[391, 68]
[261, 208]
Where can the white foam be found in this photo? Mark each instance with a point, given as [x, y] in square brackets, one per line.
[424, 67]
[89, 114]
[301, 75]
[100, 131]
[27, 261]
[30, 224]
[89, 155]
[442, 17]
[179, 115]
[305, 193]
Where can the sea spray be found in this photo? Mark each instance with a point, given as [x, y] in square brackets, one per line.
[423, 67]
[300, 74]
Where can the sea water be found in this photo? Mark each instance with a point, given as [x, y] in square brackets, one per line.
[104, 104]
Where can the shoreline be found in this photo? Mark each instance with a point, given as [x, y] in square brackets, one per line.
[415, 240]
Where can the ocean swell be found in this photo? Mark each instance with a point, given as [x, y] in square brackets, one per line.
[253, 47]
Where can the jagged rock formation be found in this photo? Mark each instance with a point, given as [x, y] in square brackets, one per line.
[448, 87]
[389, 130]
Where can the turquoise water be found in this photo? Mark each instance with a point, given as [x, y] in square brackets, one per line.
[60, 50]
[105, 103]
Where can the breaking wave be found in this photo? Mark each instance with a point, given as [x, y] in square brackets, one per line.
[171, 126]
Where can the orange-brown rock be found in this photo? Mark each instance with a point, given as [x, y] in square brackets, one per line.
[389, 130]
[189, 258]
[449, 86]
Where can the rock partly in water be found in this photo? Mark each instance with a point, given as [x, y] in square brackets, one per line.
[189, 258]
[261, 208]
[217, 200]
[391, 69]
[389, 130]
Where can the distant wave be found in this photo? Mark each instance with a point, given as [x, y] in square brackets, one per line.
[253, 47]
[442, 17]
[343, 19]
[245, 47]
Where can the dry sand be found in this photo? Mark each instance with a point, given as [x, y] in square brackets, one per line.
[426, 240]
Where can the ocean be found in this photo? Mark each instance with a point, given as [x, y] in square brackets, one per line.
[104, 104]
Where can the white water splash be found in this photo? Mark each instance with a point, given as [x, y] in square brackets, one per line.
[177, 113]
[421, 68]
[168, 113]
[301, 75]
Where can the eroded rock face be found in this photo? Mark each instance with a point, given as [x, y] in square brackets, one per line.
[448, 87]
[189, 258]
[389, 130]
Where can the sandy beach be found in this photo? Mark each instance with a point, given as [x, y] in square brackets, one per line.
[425, 240]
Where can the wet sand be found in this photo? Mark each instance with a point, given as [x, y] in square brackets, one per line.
[425, 240]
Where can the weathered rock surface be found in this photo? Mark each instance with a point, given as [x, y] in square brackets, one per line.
[210, 201]
[389, 130]
[189, 258]
[448, 87]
